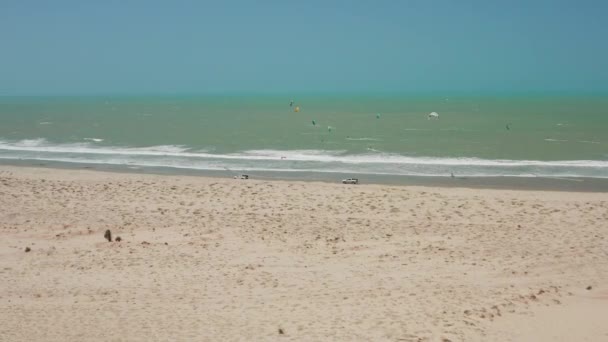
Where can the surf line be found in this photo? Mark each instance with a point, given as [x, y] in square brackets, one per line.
[560, 178]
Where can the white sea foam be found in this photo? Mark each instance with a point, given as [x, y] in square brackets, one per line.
[555, 140]
[42, 145]
[27, 143]
[427, 172]
[93, 139]
[363, 139]
[388, 158]
[373, 162]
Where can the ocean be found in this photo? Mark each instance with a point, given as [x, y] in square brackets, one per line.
[474, 136]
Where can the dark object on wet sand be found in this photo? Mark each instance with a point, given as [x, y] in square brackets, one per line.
[281, 332]
[108, 235]
[118, 239]
[589, 287]
[27, 249]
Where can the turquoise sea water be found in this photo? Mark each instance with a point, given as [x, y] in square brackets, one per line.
[549, 136]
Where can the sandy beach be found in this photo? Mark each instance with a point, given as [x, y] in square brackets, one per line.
[226, 260]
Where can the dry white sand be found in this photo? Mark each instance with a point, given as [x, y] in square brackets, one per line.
[223, 259]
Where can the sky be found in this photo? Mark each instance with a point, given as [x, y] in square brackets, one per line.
[142, 47]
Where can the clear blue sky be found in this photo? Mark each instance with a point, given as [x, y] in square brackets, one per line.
[90, 47]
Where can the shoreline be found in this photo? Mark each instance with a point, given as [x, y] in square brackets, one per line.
[567, 184]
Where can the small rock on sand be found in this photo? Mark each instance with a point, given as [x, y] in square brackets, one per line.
[108, 235]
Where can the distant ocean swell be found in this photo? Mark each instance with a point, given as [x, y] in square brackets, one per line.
[91, 152]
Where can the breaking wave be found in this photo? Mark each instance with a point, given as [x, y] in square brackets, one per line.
[374, 162]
